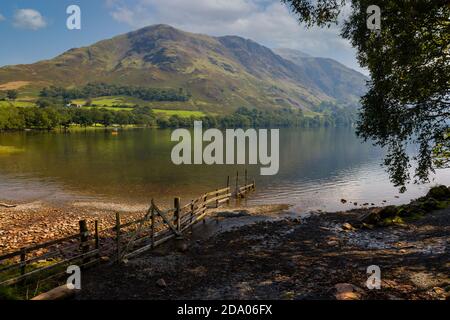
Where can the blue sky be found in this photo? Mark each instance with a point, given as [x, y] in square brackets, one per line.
[33, 30]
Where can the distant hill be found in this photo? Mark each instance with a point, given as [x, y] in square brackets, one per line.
[221, 73]
[332, 77]
[291, 54]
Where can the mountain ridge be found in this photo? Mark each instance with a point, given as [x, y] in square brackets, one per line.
[220, 72]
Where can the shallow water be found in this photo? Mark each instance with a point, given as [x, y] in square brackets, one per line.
[318, 167]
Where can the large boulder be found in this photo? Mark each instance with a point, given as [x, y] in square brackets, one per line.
[440, 193]
[388, 212]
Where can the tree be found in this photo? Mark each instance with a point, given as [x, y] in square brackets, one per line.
[12, 94]
[107, 118]
[408, 98]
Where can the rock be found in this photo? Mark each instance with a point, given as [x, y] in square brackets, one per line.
[233, 214]
[439, 291]
[439, 193]
[372, 217]
[348, 296]
[347, 291]
[182, 246]
[368, 226]
[344, 287]
[289, 295]
[392, 297]
[343, 201]
[348, 227]
[161, 283]
[388, 212]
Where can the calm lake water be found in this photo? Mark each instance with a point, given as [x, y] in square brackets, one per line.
[318, 167]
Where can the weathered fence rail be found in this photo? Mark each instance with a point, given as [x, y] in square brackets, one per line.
[118, 243]
[82, 247]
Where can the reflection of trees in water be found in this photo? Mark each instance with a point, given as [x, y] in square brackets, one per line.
[136, 164]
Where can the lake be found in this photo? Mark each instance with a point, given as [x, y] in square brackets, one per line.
[318, 168]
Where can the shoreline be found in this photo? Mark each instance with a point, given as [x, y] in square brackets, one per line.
[264, 252]
[317, 257]
[31, 223]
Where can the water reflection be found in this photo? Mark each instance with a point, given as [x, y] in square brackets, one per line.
[318, 167]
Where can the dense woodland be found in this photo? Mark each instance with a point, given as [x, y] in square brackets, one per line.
[94, 90]
[52, 112]
[48, 118]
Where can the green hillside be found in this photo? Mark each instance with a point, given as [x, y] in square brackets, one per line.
[220, 73]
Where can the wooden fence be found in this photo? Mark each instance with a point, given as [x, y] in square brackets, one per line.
[81, 248]
[121, 242]
[160, 226]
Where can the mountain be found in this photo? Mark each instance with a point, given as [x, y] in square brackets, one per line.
[221, 73]
[291, 54]
[330, 76]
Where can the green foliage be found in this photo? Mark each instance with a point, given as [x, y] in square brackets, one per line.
[437, 198]
[49, 118]
[9, 294]
[53, 116]
[441, 152]
[408, 101]
[93, 90]
[12, 94]
[318, 12]
[245, 117]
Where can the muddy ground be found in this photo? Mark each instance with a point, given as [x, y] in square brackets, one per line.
[287, 258]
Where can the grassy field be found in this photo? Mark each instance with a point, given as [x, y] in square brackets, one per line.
[167, 107]
[111, 108]
[174, 108]
[108, 101]
[180, 113]
[17, 103]
[168, 113]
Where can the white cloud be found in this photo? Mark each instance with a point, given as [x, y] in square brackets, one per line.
[2, 18]
[268, 22]
[29, 19]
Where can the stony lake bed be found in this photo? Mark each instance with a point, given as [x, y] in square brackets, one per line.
[318, 257]
[262, 252]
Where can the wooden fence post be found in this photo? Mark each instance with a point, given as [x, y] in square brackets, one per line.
[237, 185]
[192, 213]
[254, 185]
[118, 235]
[153, 226]
[23, 259]
[177, 213]
[97, 239]
[84, 238]
[217, 198]
[204, 207]
[245, 181]
[229, 190]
